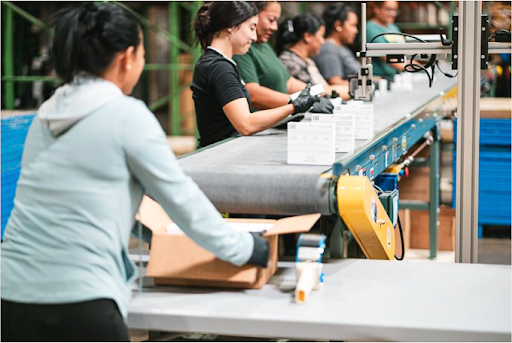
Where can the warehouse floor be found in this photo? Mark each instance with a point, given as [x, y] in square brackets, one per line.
[493, 248]
[490, 251]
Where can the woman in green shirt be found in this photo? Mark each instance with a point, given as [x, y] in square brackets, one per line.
[265, 76]
[383, 19]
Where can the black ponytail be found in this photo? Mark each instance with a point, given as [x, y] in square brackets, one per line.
[291, 31]
[219, 15]
[262, 5]
[333, 13]
[87, 38]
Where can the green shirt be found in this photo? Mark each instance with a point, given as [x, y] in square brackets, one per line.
[381, 68]
[261, 65]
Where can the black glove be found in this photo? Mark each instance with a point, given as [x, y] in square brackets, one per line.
[260, 252]
[305, 100]
[323, 106]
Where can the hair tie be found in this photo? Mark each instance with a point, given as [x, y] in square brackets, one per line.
[290, 26]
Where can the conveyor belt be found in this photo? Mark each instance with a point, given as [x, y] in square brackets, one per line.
[250, 174]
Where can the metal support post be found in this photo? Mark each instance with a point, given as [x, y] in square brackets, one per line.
[27, 16]
[8, 58]
[433, 206]
[303, 7]
[468, 137]
[332, 227]
[174, 51]
[196, 53]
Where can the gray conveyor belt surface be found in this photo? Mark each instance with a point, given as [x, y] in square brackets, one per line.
[250, 174]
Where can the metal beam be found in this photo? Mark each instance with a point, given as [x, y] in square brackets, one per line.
[433, 206]
[8, 58]
[29, 17]
[174, 52]
[500, 48]
[31, 78]
[196, 52]
[415, 205]
[383, 49]
[167, 35]
[468, 132]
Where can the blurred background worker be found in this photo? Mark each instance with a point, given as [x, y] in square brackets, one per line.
[226, 29]
[335, 60]
[266, 78]
[383, 18]
[299, 39]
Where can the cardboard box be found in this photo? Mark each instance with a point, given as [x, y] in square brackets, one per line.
[176, 260]
[495, 108]
[416, 186]
[420, 233]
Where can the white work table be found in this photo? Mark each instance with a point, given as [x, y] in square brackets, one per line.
[363, 300]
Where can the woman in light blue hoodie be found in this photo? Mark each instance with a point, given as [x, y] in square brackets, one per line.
[91, 153]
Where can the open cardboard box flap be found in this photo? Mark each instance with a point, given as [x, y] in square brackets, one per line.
[295, 224]
[176, 259]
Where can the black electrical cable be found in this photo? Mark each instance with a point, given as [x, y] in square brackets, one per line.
[415, 67]
[380, 191]
[446, 74]
[491, 36]
[397, 34]
[401, 240]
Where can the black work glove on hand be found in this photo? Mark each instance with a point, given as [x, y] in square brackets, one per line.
[260, 252]
[323, 106]
[305, 100]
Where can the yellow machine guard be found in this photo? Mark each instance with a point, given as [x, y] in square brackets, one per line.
[363, 213]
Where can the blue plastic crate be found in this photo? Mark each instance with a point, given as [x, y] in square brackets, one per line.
[14, 132]
[492, 132]
[494, 177]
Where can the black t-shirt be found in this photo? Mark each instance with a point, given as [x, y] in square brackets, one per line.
[216, 83]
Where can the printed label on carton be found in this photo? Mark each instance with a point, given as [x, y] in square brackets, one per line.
[345, 129]
[311, 143]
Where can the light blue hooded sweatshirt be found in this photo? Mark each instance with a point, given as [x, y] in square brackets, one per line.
[90, 155]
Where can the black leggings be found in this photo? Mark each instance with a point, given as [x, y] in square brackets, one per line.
[95, 320]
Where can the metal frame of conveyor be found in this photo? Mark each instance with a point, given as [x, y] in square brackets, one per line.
[470, 51]
[387, 148]
[369, 159]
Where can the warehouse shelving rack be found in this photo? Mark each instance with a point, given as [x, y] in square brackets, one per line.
[9, 79]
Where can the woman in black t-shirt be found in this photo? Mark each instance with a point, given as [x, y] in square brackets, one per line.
[221, 100]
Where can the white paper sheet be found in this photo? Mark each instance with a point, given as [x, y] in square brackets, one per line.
[345, 129]
[315, 90]
[311, 143]
[364, 118]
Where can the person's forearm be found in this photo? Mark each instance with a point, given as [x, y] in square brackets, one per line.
[342, 90]
[327, 88]
[337, 80]
[398, 66]
[294, 85]
[263, 120]
[264, 98]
